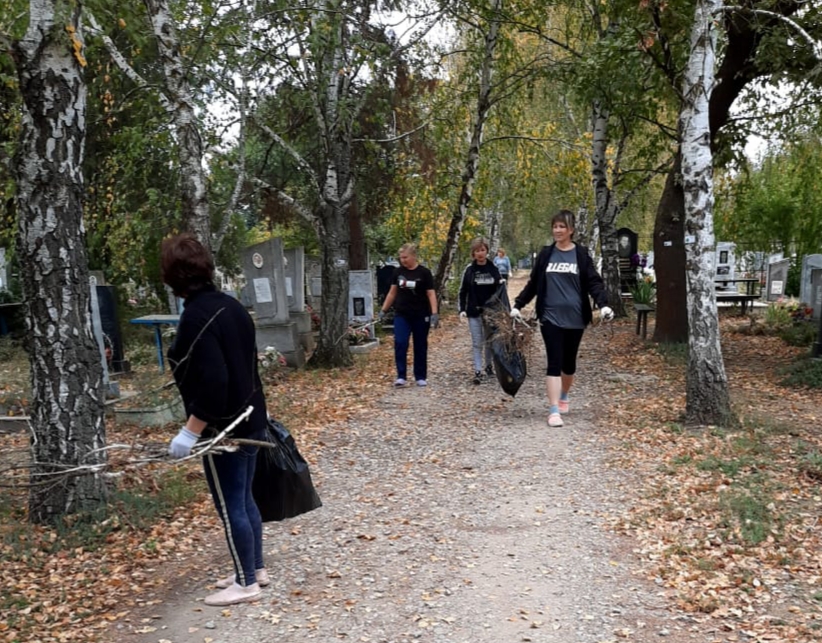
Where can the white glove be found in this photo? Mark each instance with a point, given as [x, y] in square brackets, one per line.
[463, 315]
[606, 313]
[515, 313]
[502, 281]
[181, 445]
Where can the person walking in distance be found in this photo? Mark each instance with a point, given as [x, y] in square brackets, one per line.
[479, 283]
[415, 313]
[503, 264]
[563, 280]
[214, 361]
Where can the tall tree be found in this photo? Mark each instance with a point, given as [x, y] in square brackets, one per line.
[708, 398]
[66, 372]
[749, 34]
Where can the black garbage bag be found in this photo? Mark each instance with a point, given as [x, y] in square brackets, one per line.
[509, 362]
[282, 486]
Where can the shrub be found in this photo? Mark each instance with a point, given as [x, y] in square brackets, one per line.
[805, 372]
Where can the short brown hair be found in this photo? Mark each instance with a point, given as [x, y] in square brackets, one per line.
[564, 216]
[478, 243]
[186, 264]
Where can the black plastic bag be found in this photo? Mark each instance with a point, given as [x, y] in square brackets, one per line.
[282, 486]
[509, 363]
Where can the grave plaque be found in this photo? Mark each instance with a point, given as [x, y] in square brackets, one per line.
[810, 263]
[263, 268]
[725, 264]
[110, 321]
[361, 296]
[295, 279]
[627, 243]
[816, 293]
[777, 279]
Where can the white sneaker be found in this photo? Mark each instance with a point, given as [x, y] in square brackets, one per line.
[399, 383]
[234, 594]
[422, 383]
[263, 580]
[554, 419]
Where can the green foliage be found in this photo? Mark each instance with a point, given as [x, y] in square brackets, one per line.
[776, 206]
[747, 511]
[130, 508]
[805, 372]
[644, 292]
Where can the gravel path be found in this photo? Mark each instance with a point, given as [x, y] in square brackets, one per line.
[452, 514]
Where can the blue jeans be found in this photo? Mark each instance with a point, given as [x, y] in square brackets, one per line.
[404, 329]
[229, 477]
[479, 344]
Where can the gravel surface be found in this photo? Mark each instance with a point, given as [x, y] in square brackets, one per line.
[452, 514]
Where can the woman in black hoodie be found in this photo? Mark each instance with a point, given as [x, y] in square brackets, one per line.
[479, 282]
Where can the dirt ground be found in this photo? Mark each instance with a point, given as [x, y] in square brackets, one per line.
[452, 514]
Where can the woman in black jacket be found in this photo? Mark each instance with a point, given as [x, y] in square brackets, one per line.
[562, 279]
[214, 357]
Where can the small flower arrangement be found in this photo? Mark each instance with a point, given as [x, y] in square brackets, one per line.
[358, 336]
[315, 318]
[270, 359]
[644, 292]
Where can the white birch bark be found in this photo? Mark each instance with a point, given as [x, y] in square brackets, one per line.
[471, 166]
[178, 92]
[66, 371]
[708, 399]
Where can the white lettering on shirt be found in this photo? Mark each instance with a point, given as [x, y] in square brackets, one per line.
[561, 266]
[483, 279]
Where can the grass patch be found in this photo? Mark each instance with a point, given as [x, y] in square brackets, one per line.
[804, 373]
[730, 467]
[746, 510]
[675, 354]
[130, 508]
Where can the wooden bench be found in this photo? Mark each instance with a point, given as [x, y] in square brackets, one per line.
[642, 311]
[737, 298]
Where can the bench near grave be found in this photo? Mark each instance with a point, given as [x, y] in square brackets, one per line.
[642, 311]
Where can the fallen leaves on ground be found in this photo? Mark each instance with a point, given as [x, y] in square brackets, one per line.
[727, 520]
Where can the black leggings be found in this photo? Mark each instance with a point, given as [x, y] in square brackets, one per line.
[561, 346]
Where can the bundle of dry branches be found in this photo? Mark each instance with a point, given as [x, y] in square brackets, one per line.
[515, 334]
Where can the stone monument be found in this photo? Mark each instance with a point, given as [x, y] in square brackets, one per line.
[266, 289]
[810, 264]
[777, 279]
[361, 298]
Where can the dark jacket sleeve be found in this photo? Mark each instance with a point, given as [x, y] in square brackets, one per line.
[464, 286]
[202, 375]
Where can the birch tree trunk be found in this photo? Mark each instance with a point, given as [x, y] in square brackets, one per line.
[66, 371]
[190, 144]
[708, 397]
[469, 173]
[606, 209]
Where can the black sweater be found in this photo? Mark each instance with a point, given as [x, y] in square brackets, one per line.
[589, 280]
[214, 358]
[479, 283]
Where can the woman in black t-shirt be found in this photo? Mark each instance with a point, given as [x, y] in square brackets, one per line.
[415, 312]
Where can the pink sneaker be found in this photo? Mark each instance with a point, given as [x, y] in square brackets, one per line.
[563, 406]
[262, 580]
[233, 595]
[555, 419]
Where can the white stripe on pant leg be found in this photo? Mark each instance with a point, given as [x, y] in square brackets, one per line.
[226, 522]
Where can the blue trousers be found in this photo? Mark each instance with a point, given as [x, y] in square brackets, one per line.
[229, 477]
[405, 328]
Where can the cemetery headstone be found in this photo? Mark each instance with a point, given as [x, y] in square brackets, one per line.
[314, 282]
[97, 329]
[810, 263]
[361, 297]
[264, 270]
[816, 293]
[295, 279]
[627, 245]
[777, 279]
[726, 263]
[110, 320]
[384, 274]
